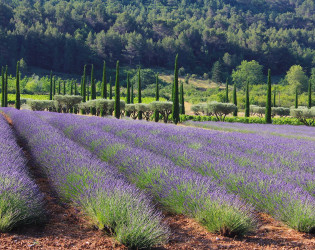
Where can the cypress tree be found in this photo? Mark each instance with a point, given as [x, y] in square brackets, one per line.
[227, 90]
[75, 87]
[128, 93]
[274, 97]
[181, 99]
[157, 98]
[247, 100]
[117, 93]
[93, 90]
[51, 87]
[268, 101]
[128, 99]
[3, 88]
[309, 94]
[54, 87]
[71, 87]
[110, 89]
[175, 109]
[104, 84]
[87, 91]
[132, 94]
[17, 94]
[139, 93]
[6, 87]
[59, 87]
[83, 84]
[296, 98]
[235, 99]
[64, 88]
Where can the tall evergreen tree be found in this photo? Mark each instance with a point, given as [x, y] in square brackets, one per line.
[309, 93]
[110, 89]
[117, 93]
[84, 84]
[3, 88]
[132, 94]
[175, 109]
[181, 99]
[75, 87]
[51, 86]
[17, 93]
[104, 84]
[6, 87]
[247, 100]
[235, 99]
[87, 91]
[268, 101]
[54, 87]
[59, 87]
[71, 87]
[296, 98]
[128, 99]
[139, 94]
[157, 98]
[93, 90]
[64, 88]
[227, 91]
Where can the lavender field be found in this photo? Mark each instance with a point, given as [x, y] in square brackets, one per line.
[124, 175]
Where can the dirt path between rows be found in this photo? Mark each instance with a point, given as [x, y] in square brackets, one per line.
[66, 228]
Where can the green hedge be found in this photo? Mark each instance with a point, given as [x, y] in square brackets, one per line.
[277, 121]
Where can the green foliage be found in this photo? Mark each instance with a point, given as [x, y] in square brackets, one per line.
[67, 102]
[247, 100]
[304, 115]
[248, 72]
[235, 99]
[157, 98]
[175, 109]
[309, 104]
[83, 85]
[297, 78]
[17, 93]
[41, 105]
[181, 99]
[221, 110]
[164, 108]
[139, 94]
[268, 101]
[104, 83]
[51, 87]
[217, 74]
[296, 98]
[117, 93]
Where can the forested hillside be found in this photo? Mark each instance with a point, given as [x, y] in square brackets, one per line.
[64, 35]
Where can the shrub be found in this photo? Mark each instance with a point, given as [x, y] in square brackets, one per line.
[104, 107]
[145, 109]
[196, 109]
[256, 110]
[221, 110]
[41, 105]
[164, 108]
[131, 109]
[304, 115]
[67, 102]
[280, 111]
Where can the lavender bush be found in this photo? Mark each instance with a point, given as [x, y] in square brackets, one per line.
[21, 202]
[98, 189]
[263, 169]
[178, 190]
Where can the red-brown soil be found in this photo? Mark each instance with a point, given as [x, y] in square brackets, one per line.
[67, 228]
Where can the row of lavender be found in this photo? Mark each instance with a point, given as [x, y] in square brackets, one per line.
[103, 194]
[290, 131]
[264, 170]
[20, 199]
[178, 190]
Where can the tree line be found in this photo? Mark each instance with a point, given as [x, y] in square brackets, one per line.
[64, 35]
